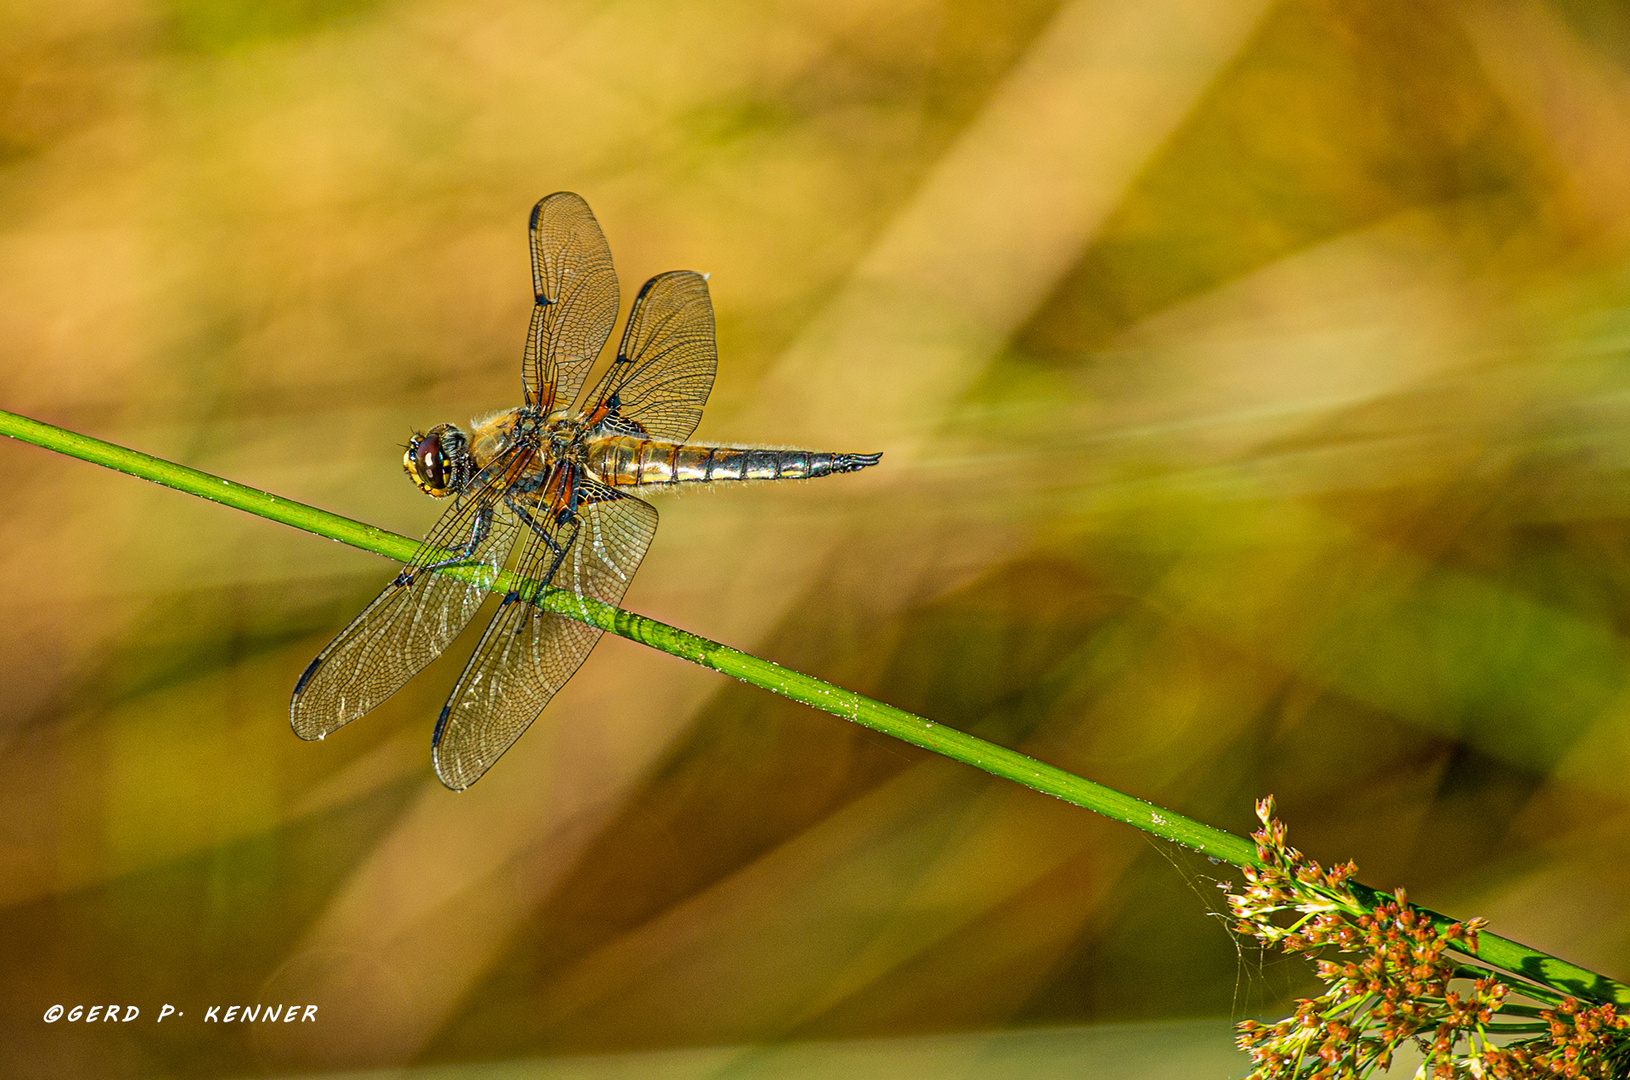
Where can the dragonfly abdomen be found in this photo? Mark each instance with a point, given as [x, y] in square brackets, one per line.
[627, 460]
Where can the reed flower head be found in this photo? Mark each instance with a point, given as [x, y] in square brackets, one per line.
[1395, 976]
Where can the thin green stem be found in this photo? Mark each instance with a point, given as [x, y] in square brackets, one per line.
[1508, 1009]
[907, 727]
[1533, 991]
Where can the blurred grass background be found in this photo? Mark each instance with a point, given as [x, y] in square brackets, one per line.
[1254, 377]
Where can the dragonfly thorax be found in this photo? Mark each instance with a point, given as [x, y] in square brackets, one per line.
[563, 436]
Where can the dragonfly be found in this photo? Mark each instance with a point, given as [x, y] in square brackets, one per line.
[556, 484]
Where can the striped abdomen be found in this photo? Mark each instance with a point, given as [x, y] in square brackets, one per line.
[625, 459]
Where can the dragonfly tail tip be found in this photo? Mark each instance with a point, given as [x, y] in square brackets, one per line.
[854, 462]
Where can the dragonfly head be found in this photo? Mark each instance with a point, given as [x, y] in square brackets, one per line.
[438, 460]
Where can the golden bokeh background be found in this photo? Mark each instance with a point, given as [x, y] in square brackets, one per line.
[1254, 383]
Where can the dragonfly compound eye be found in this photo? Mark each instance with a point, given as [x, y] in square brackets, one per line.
[426, 465]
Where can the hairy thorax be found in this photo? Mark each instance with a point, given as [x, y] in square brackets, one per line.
[561, 438]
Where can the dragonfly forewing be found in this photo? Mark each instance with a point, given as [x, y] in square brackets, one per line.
[575, 300]
[417, 615]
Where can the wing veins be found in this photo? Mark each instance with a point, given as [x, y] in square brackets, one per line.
[412, 620]
[500, 692]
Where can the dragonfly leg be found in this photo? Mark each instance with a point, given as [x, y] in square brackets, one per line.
[556, 547]
[479, 528]
[560, 554]
[527, 519]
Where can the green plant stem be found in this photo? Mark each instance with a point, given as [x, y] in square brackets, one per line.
[1516, 1029]
[907, 727]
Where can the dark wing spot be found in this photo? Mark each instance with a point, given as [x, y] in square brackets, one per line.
[305, 677]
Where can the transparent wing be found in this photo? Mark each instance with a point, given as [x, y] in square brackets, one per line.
[575, 289]
[418, 615]
[527, 654]
[664, 368]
